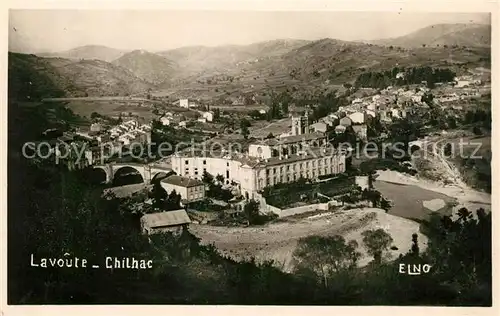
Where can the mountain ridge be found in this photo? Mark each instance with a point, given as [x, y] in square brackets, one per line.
[148, 66]
[100, 52]
[32, 77]
[458, 34]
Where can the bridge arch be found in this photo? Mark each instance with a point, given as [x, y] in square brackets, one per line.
[97, 172]
[125, 173]
[99, 175]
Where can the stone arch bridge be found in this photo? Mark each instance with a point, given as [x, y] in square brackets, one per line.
[147, 171]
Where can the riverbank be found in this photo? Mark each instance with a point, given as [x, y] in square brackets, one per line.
[466, 197]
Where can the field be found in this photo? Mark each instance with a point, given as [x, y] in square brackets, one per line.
[277, 241]
[261, 129]
[108, 108]
[239, 108]
[113, 108]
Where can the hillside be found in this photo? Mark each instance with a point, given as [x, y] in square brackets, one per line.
[469, 35]
[32, 77]
[207, 60]
[147, 66]
[310, 67]
[88, 52]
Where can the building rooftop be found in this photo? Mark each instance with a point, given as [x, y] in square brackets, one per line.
[182, 181]
[163, 219]
[255, 162]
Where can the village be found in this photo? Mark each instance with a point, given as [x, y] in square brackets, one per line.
[247, 167]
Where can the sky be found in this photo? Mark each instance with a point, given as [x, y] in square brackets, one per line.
[32, 31]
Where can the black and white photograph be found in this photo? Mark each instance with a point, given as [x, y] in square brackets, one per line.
[249, 157]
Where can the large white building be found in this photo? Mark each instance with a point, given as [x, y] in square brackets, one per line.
[190, 190]
[266, 164]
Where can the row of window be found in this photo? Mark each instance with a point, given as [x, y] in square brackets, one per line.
[301, 165]
[293, 177]
[186, 162]
[198, 188]
[195, 196]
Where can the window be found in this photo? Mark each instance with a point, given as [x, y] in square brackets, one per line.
[288, 168]
[196, 173]
[186, 162]
[274, 170]
[227, 174]
[227, 164]
[204, 162]
[204, 169]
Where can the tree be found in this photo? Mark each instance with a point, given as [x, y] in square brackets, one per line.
[159, 196]
[245, 123]
[373, 196]
[207, 178]
[477, 130]
[447, 150]
[385, 204]
[219, 178]
[404, 129]
[376, 242]
[94, 115]
[270, 135]
[251, 211]
[173, 201]
[216, 114]
[325, 256]
[415, 250]
[428, 98]
[245, 132]
[452, 123]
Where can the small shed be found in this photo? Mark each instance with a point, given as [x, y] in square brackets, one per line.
[171, 221]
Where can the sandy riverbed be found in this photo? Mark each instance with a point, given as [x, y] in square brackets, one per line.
[277, 241]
